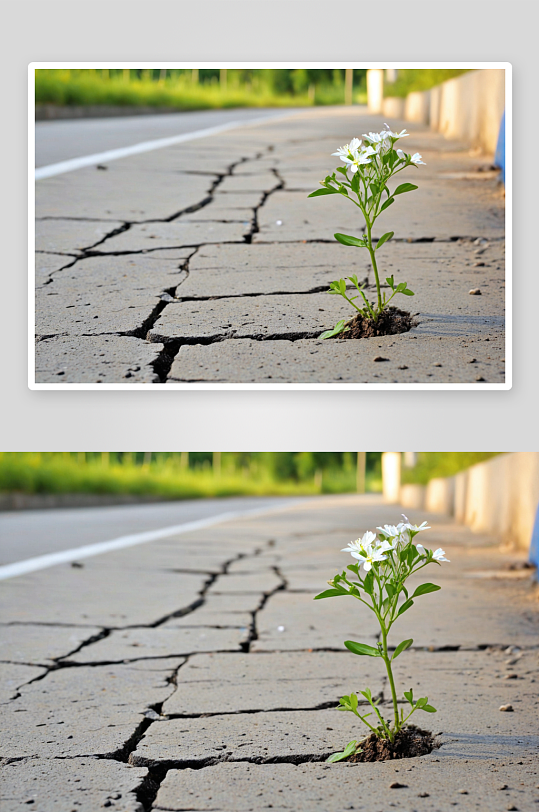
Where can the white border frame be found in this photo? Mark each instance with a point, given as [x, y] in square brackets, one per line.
[57, 387]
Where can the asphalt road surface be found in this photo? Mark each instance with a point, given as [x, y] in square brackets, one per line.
[25, 534]
[63, 140]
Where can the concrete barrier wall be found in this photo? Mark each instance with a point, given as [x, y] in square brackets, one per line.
[469, 107]
[440, 496]
[498, 497]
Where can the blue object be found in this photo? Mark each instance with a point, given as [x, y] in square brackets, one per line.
[499, 158]
[534, 546]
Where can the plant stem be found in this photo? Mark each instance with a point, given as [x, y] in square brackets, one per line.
[391, 680]
[374, 267]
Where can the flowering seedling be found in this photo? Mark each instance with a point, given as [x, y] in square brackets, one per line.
[384, 562]
[364, 176]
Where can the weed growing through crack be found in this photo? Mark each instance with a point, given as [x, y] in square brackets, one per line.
[388, 560]
[365, 175]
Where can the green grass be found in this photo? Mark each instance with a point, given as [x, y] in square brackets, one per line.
[165, 477]
[181, 92]
[432, 464]
[414, 79]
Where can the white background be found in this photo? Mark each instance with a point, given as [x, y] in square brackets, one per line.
[268, 30]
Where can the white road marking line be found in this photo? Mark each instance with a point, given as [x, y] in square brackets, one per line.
[145, 146]
[51, 559]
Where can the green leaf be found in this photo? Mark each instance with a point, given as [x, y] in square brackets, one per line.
[353, 701]
[408, 292]
[421, 702]
[348, 750]
[340, 327]
[345, 239]
[320, 192]
[355, 183]
[404, 187]
[361, 649]
[388, 203]
[390, 281]
[402, 647]
[384, 239]
[409, 695]
[424, 589]
[390, 589]
[405, 606]
[428, 709]
[330, 593]
[368, 582]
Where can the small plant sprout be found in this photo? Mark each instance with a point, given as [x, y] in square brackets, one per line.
[367, 169]
[377, 578]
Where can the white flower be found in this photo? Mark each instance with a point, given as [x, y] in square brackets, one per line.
[414, 527]
[438, 555]
[401, 154]
[402, 134]
[359, 544]
[390, 530]
[359, 160]
[416, 159]
[370, 556]
[376, 138]
[349, 152]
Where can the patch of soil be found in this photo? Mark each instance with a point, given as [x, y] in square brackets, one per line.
[390, 322]
[409, 742]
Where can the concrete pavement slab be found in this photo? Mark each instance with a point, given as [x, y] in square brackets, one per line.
[292, 315]
[84, 711]
[227, 206]
[95, 359]
[13, 676]
[435, 213]
[293, 620]
[136, 644]
[236, 270]
[72, 236]
[264, 582]
[467, 689]
[250, 736]
[487, 603]
[257, 563]
[405, 360]
[47, 264]
[42, 645]
[223, 683]
[264, 181]
[148, 236]
[231, 179]
[105, 295]
[120, 711]
[119, 193]
[221, 610]
[426, 785]
[97, 597]
[56, 785]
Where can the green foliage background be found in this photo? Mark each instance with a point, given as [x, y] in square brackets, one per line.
[177, 476]
[413, 79]
[184, 90]
[431, 464]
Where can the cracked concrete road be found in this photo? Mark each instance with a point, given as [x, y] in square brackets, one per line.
[196, 672]
[206, 263]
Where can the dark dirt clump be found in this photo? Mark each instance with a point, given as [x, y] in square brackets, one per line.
[390, 322]
[409, 742]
